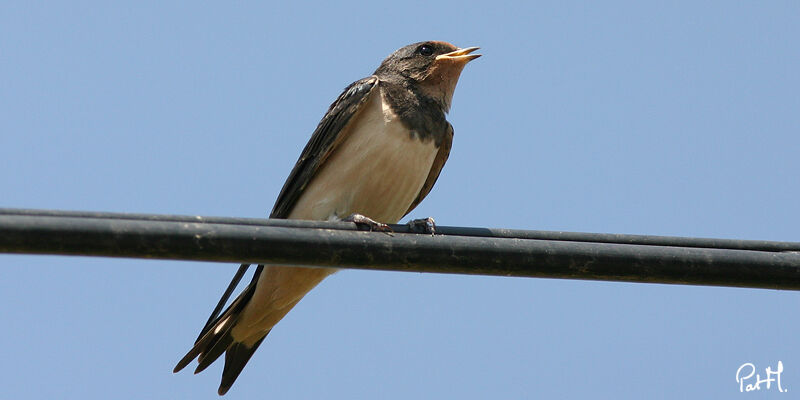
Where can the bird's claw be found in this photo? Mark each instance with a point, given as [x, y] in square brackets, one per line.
[373, 225]
[423, 225]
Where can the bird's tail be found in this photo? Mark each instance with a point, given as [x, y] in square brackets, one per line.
[216, 338]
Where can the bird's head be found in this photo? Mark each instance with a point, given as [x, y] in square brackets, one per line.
[433, 67]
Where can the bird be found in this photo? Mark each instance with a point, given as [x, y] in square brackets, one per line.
[374, 156]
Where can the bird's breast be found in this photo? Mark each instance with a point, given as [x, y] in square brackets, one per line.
[377, 170]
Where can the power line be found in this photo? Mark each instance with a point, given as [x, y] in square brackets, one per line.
[503, 252]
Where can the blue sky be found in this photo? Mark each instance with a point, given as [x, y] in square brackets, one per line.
[620, 117]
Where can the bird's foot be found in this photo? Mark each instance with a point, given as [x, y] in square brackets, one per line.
[373, 225]
[423, 225]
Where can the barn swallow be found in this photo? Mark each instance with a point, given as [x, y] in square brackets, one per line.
[375, 155]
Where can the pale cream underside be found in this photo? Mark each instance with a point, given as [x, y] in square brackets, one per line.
[377, 171]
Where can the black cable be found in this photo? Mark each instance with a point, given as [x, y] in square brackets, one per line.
[502, 252]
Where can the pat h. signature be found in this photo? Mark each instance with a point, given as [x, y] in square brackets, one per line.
[745, 373]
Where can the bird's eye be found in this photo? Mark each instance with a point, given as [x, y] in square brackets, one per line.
[425, 50]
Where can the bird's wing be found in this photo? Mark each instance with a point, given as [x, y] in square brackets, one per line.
[323, 142]
[436, 167]
[319, 147]
[215, 336]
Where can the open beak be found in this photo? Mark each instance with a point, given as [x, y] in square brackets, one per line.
[460, 55]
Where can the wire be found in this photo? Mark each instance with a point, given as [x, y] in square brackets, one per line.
[504, 252]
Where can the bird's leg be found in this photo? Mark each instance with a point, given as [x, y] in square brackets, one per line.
[423, 225]
[373, 225]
